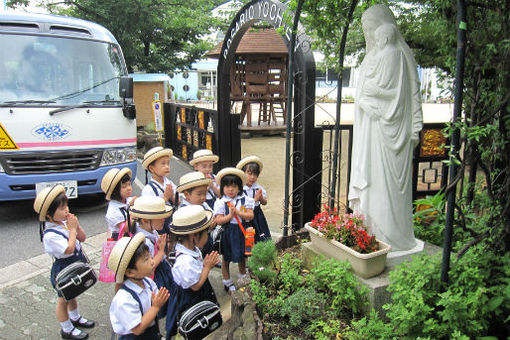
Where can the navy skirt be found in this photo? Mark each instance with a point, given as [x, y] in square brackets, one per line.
[163, 278]
[184, 299]
[232, 243]
[151, 333]
[259, 222]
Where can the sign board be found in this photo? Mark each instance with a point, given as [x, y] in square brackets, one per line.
[158, 116]
[6, 142]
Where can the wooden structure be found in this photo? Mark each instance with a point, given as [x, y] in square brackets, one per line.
[259, 76]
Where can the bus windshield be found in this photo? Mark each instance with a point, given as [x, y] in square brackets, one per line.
[61, 71]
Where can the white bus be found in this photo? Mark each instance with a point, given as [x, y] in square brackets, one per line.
[66, 109]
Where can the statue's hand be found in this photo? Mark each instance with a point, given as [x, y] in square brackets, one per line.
[370, 89]
[368, 108]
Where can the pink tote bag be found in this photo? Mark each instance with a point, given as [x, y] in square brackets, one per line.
[105, 274]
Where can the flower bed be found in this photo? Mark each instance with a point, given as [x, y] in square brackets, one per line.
[307, 304]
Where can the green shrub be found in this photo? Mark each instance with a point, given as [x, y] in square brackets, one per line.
[325, 329]
[303, 306]
[289, 274]
[477, 296]
[261, 262]
[334, 278]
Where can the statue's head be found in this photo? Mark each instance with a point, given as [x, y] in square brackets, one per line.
[374, 17]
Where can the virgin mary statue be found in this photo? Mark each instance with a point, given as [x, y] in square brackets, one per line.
[387, 123]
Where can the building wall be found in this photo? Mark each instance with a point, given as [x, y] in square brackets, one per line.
[143, 96]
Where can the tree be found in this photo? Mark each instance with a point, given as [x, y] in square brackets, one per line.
[429, 27]
[155, 36]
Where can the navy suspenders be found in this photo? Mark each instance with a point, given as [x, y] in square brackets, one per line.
[134, 295]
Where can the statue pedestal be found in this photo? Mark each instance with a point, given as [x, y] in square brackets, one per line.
[397, 257]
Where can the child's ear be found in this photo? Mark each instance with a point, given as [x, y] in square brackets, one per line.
[129, 273]
[187, 195]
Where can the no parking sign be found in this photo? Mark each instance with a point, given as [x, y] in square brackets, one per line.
[158, 117]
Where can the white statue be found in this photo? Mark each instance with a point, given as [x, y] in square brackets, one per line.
[387, 122]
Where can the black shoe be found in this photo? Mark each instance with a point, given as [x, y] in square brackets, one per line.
[66, 335]
[83, 324]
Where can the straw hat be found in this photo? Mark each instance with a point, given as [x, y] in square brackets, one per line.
[230, 171]
[151, 208]
[44, 199]
[250, 159]
[155, 153]
[122, 253]
[192, 180]
[111, 178]
[191, 219]
[203, 155]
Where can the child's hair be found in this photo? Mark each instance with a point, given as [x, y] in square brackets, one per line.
[190, 190]
[139, 252]
[252, 168]
[60, 200]
[116, 191]
[231, 180]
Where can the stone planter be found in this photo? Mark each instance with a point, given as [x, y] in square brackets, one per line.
[364, 265]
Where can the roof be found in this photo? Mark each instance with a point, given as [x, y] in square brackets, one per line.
[57, 25]
[149, 77]
[256, 41]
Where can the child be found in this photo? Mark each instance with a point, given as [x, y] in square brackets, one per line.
[232, 239]
[62, 235]
[193, 186]
[190, 270]
[252, 167]
[135, 306]
[157, 162]
[116, 184]
[150, 213]
[203, 161]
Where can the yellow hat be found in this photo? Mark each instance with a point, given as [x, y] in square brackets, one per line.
[155, 153]
[203, 155]
[44, 199]
[230, 171]
[250, 159]
[111, 178]
[151, 208]
[191, 219]
[192, 180]
[122, 253]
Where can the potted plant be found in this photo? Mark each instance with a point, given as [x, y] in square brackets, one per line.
[345, 237]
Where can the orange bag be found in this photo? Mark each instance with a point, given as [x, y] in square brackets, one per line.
[249, 235]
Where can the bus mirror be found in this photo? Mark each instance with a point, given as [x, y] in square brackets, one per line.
[129, 111]
[126, 93]
[126, 87]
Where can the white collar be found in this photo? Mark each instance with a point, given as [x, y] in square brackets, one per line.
[225, 198]
[179, 248]
[136, 288]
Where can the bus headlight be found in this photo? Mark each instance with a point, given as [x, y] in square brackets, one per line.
[1, 168]
[118, 156]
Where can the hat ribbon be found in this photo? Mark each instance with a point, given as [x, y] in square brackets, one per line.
[193, 226]
[149, 212]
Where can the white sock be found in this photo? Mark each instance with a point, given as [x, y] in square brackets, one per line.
[67, 326]
[230, 284]
[74, 314]
[241, 276]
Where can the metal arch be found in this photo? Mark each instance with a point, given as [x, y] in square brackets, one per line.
[308, 143]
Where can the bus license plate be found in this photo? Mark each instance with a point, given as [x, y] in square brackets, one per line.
[70, 186]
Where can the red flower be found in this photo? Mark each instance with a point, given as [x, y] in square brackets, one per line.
[349, 229]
